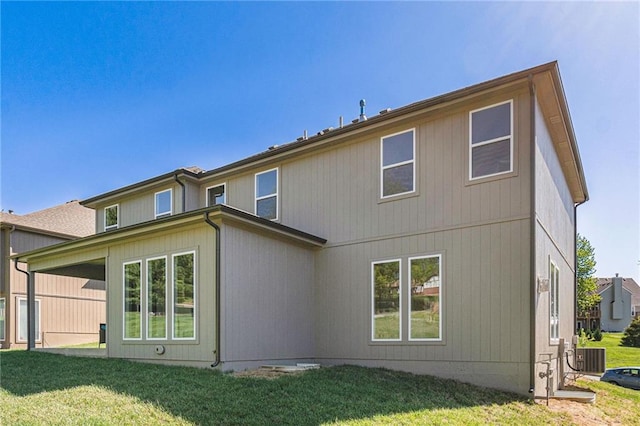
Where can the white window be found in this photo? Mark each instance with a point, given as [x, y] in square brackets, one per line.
[157, 298]
[267, 194]
[184, 296]
[397, 164]
[23, 319]
[491, 140]
[386, 302]
[111, 217]
[132, 298]
[425, 295]
[164, 203]
[554, 302]
[216, 195]
[2, 316]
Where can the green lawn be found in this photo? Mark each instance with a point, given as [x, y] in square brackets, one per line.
[38, 388]
[617, 356]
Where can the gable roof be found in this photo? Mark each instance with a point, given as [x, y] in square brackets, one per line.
[549, 92]
[70, 220]
[628, 284]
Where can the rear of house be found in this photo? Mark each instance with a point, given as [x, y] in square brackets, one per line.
[435, 238]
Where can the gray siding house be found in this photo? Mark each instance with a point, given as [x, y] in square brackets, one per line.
[436, 238]
[620, 302]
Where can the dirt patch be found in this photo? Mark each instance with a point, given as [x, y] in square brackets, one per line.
[268, 373]
[583, 414]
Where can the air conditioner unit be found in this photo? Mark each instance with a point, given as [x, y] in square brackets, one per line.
[591, 360]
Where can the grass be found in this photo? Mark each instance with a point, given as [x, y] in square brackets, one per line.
[617, 356]
[42, 388]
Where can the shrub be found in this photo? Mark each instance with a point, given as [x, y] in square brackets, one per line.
[597, 335]
[631, 335]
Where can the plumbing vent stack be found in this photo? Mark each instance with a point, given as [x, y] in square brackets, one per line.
[341, 121]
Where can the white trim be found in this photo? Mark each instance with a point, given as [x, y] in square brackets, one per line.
[394, 165]
[206, 193]
[3, 318]
[554, 294]
[373, 299]
[440, 304]
[155, 203]
[264, 197]
[195, 295]
[124, 321]
[104, 212]
[148, 291]
[490, 141]
[18, 324]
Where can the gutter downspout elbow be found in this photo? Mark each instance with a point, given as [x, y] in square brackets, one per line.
[216, 361]
[184, 192]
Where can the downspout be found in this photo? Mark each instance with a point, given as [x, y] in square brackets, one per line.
[216, 361]
[184, 192]
[532, 233]
[31, 315]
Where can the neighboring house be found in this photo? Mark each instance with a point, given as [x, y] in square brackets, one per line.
[309, 251]
[620, 303]
[67, 310]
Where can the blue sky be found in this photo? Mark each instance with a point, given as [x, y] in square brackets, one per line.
[96, 96]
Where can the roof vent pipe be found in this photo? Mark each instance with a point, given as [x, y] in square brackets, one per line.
[362, 105]
[341, 121]
[305, 134]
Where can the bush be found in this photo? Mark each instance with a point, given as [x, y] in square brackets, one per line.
[597, 335]
[631, 335]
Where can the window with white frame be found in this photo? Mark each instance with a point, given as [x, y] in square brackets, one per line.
[491, 140]
[554, 302]
[266, 186]
[111, 217]
[425, 310]
[184, 296]
[163, 203]
[157, 298]
[2, 316]
[23, 320]
[216, 195]
[386, 300]
[397, 163]
[132, 298]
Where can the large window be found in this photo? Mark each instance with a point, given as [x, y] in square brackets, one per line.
[491, 140]
[23, 320]
[554, 302]
[397, 173]
[163, 203]
[425, 294]
[386, 278]
[267, 194]
[157, 298]
[111, 217]
[184, 296]
[216, 195]
[2, 316]
[132, 297]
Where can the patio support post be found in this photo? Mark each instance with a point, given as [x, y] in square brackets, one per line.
[31, 310]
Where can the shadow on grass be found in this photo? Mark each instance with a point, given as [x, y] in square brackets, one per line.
[209, 397]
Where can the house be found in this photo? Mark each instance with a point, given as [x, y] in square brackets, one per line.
[308, 251]
[67, 310]
[619, 305]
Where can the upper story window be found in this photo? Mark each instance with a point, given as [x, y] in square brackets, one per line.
[163, 203]
[397, 164]
[267, 194]
[111, 217]
[491, 140]
[216, 195]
